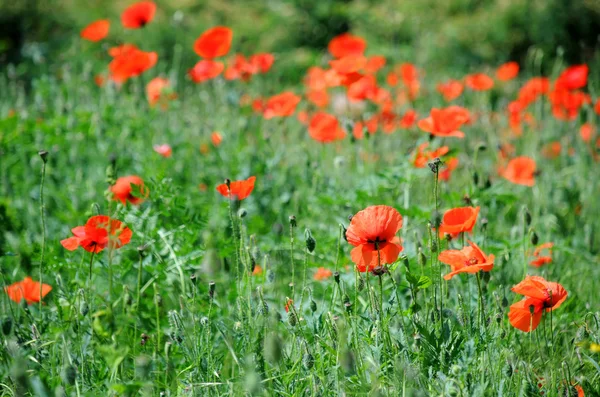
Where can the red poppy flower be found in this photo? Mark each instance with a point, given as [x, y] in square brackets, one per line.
[122, 190]
[408, 119]
[205, 70]
[552, 150]
[532, 89]
[520, 171]
[479, 82]
[539, 295]
[363, 88]
[281, 105]
[214, 43]
[374, 64]
[507, 71]
[346, 44]
[322, 274]
[445, 122]
[28, 290]
[450, 90]
[129, 61]
[156, 89]
[319, 98]
[566, 104]
[216, 138]
[586, 131]
[459, 220]
[238, 189]
[164, 150]
[470, 259]
[325, 128]
[573, 78]
[449, 166]
[422, 157]
[96, 31]
[138, 15]
[348, 64]
[540, 259]
[289, 304]
[372, 232]
[99, 232]
[262, 62]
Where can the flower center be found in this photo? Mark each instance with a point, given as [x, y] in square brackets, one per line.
[471, 261]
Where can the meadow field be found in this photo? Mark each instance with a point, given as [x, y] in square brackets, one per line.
[221, 219]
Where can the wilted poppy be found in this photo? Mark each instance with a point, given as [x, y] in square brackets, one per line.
[156, 89]
[281, 105]
[138, 15]
[96, 31]
[540, 259]
[445, 122]
[322, 274]
[164, 150]
[237, 189]
[346, 44]
[539, 295]
[459, 220]
[205, 70]
[123, 192]
[520, 171]
[99, 232]
[470, 259]
[450, 89]
[479, 82]
[214, 43]
[507, 71]
[27, 290]
[573, 78]
[372, 232]
[324, 127]
[216, 138]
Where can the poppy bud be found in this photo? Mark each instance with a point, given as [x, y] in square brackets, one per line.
[527, 217]
[141, 249]
[127, 299]
[158, 300]
[422, 258]
[44, 155]
[308, 361]
[488, 183]
[242, 213]
[508, 370]
[83, 308]
[504, 302]
[292, 319]
[475, 178]
[211, 289]
[534, 238]
[69, 374]
[484, 223]
[344, 230]
[270, 276]
[228, 183]
[336, 277]
[313, 305]
[434, 247]
[194, 279]
[293, 221]
[6, 325]
[311, 243]
[263, 308]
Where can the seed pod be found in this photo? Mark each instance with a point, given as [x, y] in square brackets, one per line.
[270, 276]
[475, 178]
[422, 258]
[311, 243]
[44, 155]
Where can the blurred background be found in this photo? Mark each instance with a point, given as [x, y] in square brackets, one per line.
[444, 35]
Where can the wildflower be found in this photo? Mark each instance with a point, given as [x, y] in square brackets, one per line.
[372, 232]
[322, 274]
[479, 82]
[552, 150]
[281, 105]
[572, 78]
[239, 189]
[205, 70]
[422, 156]
[138, 15]
[99, 232]
[27, 290]
[445, 122]
[346, 44]
[374, 63]
[408, 119]
[156, 89]
[566, 104]
[289, 304]
[122, 190]
[586, 131]
[540, 259]
[164, 150]
[324, 127]
[520, 171]
[532, 89]
[470, 259]
[129, 61]
[96, 31]
[257, 271]
[216, 138]
[459, 220]
[507, 71]
[449, 166]
[450, 89]
[214, 43]
[539, 295]
[262, 62]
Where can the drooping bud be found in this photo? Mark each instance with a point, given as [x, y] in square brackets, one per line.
[313, 305]
[336, 277]
[527, 217]
[242, 213]
[211, 289]
[534, 238]
[44, 155]
[311, 243]
[293, 222]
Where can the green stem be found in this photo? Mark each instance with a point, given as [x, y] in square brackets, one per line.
[43, 216]
[481, 309]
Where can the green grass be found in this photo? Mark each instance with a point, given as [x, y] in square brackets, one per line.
[83, 341]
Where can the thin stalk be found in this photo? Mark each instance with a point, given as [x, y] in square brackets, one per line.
[481, 313]
[43, 155]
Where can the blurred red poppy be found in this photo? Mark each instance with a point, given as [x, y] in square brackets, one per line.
[540, 259]
[164, 150]
[507, 71]
[214, 43]
[205, 70]
[129, 61]
[520, 171]
[216, 138]
[237, 189]
[96, 31]
[372, 232]
[586, 131]
[138, 15]
[573, 78]
[479, 82]
[322, 274]
[409, 119]
[123, 192]
[422, 157]
[346, 44]
[447, 168]
[281, 105]
[27, 290]
[324, 127]
[445, 122]
[158, 89]
[450, 89]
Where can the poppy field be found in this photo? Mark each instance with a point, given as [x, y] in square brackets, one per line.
[373, 228]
